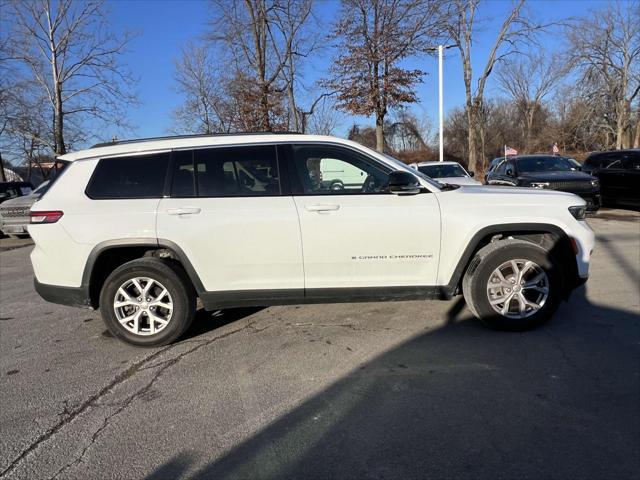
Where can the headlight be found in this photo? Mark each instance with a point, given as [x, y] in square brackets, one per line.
[595, 183]
[540, 184]
[579, 213]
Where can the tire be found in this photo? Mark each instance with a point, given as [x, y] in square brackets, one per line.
[499, 255]
[158, 275]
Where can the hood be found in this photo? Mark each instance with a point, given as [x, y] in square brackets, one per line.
[556, 176]
[458, 180]
[526, 195]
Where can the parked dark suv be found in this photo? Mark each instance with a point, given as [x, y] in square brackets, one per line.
[547, 171]
[619, 175]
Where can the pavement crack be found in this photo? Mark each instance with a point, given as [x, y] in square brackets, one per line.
[69, 415]
[162, 368]
[350, 326]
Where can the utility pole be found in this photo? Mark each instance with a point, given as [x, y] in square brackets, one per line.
[441, 49]
[440, 102]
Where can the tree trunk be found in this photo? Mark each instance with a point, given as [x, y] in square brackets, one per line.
[473, 140]
[636, 141]
[265, 123]
[380, 133]
[621, 124]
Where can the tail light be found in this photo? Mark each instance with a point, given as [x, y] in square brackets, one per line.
[50, 216]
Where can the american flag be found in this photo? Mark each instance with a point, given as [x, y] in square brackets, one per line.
[556, 150]
[510, 151]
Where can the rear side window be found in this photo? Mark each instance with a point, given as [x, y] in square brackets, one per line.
[129, 177]
[226, 172]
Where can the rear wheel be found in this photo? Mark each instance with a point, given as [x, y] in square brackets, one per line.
[148, 302]
[513, 285]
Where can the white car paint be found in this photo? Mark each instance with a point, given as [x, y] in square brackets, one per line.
[290, 242]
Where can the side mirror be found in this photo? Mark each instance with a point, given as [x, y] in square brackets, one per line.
[510, 172]
[403, 183]
[472, 174]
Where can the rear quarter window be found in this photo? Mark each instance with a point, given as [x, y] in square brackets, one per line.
[129, 177]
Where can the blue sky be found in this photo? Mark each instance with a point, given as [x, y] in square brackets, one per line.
[164, 26]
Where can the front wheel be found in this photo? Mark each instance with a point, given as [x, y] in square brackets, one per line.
[147, 302]
[513, 285]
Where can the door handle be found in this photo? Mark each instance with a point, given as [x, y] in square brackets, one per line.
[183, 211]
[322, 208]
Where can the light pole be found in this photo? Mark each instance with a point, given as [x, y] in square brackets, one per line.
[441, 49]
[440, 102]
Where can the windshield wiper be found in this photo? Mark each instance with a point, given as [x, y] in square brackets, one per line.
[448, 186]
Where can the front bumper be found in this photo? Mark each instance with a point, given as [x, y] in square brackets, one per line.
[594, 201]
[71, 296]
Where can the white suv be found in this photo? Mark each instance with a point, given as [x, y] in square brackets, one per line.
[141, 229]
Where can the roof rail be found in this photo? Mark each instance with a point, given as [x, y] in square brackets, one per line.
[199, 135]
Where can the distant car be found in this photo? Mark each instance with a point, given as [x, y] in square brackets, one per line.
[619, 175]
[9, 190]
[446, 172]
[14, 213]
[547, 172]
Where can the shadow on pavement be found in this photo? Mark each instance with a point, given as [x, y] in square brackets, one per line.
[465, 402]
[206, 321]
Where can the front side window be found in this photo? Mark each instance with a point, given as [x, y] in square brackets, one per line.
[129, 177]
[326, 170]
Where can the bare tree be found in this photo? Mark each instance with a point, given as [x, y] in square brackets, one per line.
[606, 49]
[72, 55]
[528, 81]
[262, 37]
[323, 118]
[373, 37]
[515, 29]
[206, 106]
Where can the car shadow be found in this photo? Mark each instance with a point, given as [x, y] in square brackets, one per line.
[206, 321]
[463, 401]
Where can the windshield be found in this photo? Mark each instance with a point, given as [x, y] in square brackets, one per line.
[44, 186]
[417, 173]
[545, 164]
[442, 171]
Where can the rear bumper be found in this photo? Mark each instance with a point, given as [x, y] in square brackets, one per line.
[72, 296]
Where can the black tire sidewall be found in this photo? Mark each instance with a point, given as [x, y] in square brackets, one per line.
[170, 277]
[496, 258]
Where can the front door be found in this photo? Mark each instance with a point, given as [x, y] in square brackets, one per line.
[354, 233]
[227, 213]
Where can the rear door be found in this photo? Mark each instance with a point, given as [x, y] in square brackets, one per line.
[360, 236]
[631, 180]
[227, 211]
[612, 181]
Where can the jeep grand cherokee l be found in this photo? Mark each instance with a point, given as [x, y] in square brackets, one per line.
[141, 229]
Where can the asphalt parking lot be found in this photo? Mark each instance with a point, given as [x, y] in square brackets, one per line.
[371, 390]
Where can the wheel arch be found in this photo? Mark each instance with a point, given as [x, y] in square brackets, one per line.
[109, 255]
[552, 237]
